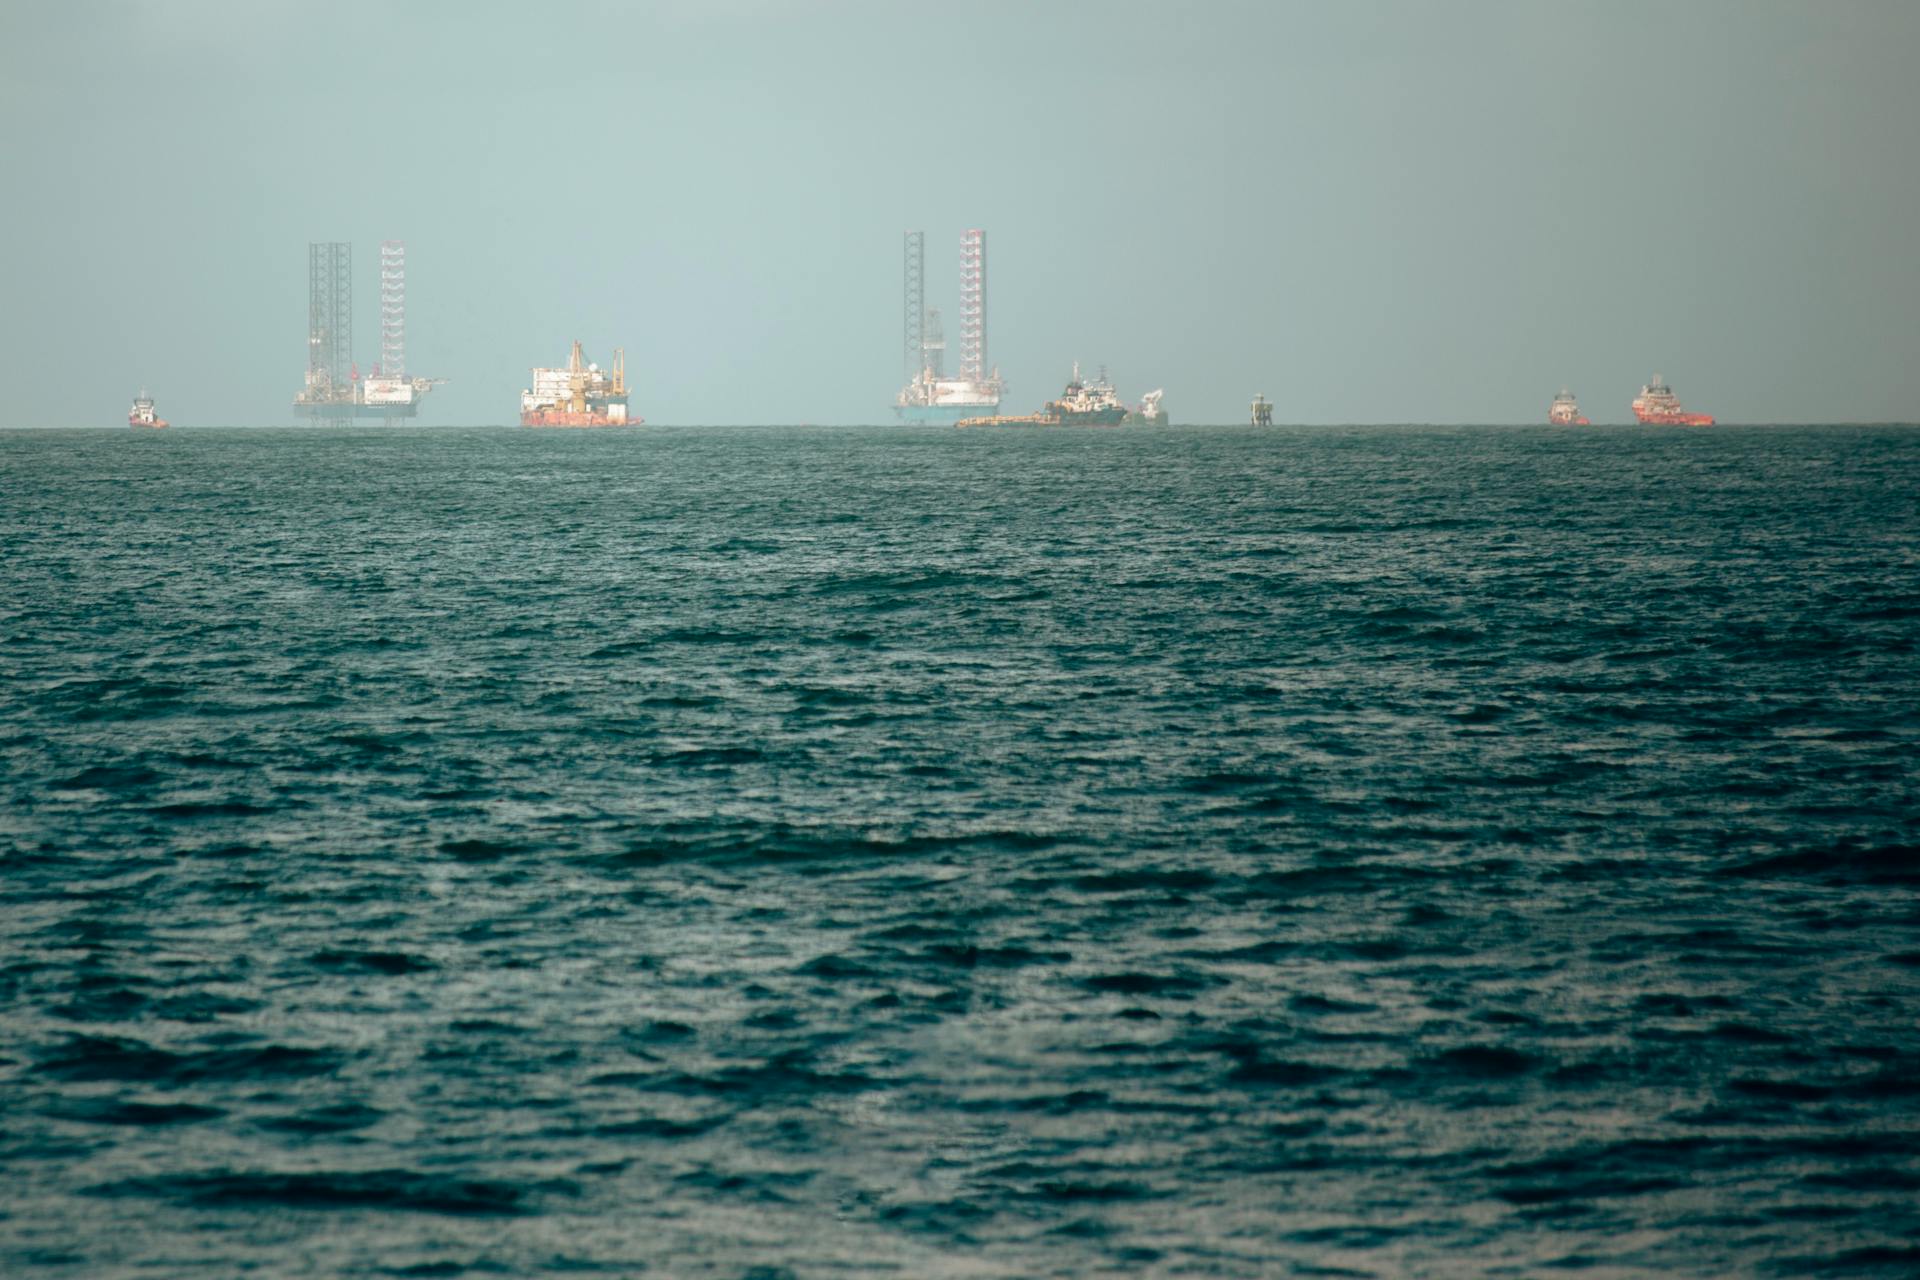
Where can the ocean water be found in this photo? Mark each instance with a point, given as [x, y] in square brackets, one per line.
[779, 854]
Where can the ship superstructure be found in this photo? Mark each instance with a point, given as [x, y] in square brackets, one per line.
[1087, 402]
[580, 394]
[142, 414]
[335, 388]
[1656, 404]
[930, 395]
[1565, 411]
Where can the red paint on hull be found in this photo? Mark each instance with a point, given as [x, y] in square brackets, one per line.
[1674, 419]
[1656, 405]
[560, 418]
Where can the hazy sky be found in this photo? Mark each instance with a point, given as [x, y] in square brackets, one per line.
[1369, 211]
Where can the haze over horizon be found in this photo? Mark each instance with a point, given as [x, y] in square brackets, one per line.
[1373, 212]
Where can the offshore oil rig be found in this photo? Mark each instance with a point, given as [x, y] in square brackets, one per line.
[930, 395]
[335, 388]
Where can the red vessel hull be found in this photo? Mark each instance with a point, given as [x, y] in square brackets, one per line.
[1674, 419]
[156, 424]
[561, 418]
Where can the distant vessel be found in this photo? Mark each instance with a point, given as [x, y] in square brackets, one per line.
[1082, 404]
[142, 414]
[1657, 404]
[1262, 411]
[1087, 404]
[1565, 411]
[580, 395]
[1149, 414]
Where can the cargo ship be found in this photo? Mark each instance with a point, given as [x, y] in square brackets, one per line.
[579, 395]
[1657, 405]
[1565, 411]
[142, 414]
[1087, 404]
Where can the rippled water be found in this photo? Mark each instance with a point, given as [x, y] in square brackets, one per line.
[805, 853]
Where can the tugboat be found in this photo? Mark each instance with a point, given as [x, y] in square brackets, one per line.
[142, 414]
[1657, 405]
[1565, 411]
[1087, 404]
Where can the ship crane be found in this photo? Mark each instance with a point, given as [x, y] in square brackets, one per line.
[577, 379]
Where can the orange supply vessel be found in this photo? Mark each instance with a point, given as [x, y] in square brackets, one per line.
[142, 414]
[580, 395]
[1565, 411]
[1656, 404]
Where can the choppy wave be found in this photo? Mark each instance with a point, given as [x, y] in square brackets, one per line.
[784, 854]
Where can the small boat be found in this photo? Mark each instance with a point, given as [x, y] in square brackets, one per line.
[1656, 404]
[1565, 411]
[142, 414]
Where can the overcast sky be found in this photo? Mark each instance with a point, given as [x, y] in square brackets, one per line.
[1372, 212]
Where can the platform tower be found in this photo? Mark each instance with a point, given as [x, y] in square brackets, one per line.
[973, 305]
[329, 321]
[914, 309]
[933, 349]
[393, 309]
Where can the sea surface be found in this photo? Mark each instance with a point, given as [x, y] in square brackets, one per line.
[783, 854]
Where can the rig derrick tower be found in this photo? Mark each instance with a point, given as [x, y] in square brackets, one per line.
[914, 309]
[335, 389]
[973, 305]
[329, 328]
[393, 309]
